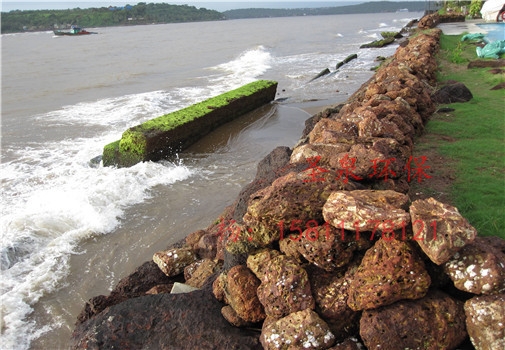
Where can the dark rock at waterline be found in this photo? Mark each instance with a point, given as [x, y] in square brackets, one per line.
[268, 169]
[147, 276]
[321, 74]
[95, 162]
[347, 60]
[452, 93]
[378, 43]
[312, 121]
[164, 321]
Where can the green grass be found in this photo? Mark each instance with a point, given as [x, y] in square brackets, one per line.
[477, 129]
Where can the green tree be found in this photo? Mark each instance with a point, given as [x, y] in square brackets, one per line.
[475, 8]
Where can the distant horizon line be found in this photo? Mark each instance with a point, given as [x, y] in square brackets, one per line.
[211, 5]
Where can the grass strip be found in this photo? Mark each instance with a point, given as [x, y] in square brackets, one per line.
[473, 138]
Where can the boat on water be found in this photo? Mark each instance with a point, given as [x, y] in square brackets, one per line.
[74, 30]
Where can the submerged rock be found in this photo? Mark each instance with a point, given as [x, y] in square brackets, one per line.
[378, 43]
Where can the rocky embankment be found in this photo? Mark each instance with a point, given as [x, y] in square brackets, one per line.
[324, 249]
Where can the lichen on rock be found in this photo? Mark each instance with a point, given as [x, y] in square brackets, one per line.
[299, 330]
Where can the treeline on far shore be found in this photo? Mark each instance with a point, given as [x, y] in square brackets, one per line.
[143, 13]
[368, 7]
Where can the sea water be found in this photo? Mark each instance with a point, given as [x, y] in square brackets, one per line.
[71, 229]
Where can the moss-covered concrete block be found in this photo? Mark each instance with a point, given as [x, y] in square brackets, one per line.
[162, 137]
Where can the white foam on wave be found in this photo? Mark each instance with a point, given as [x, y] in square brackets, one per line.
[52, 199]
[247, 67]
[133, 108]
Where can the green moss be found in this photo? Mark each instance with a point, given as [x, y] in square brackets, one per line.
[141, 142]
[386, 35]
[109, 153]
[172, 120]
[378, 43]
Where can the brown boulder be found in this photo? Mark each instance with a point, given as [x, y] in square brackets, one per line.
[479, 267]
[371, 126]
[367, 210]
[284, 287]
[485, 321]
[296, 196]
[233, 318]
[240, 291]
[197, 273]
[390, 271]
[348, 344]
[173, 261]
[329, 131]
[258, 262]
[372, 158]
[193, 238]
[218, 287]
[330, 292]
[207, 245]
[318, 154]
[268, 169]
[439, 229]
[163, 321]
[324, 246]
[434, 322]
[299, 330]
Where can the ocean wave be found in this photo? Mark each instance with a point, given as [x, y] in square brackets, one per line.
[247, 67]
[52, 201]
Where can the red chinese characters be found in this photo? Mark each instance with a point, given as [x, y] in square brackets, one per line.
[382, 168]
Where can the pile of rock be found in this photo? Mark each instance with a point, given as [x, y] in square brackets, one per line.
[325, 247]
[332, 248]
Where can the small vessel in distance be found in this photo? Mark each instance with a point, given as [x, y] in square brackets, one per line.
[74, 30]
[402, 10]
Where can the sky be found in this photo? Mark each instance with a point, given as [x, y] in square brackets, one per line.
[220, 5]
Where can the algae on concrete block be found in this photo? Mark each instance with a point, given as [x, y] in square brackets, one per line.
[160, 137]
